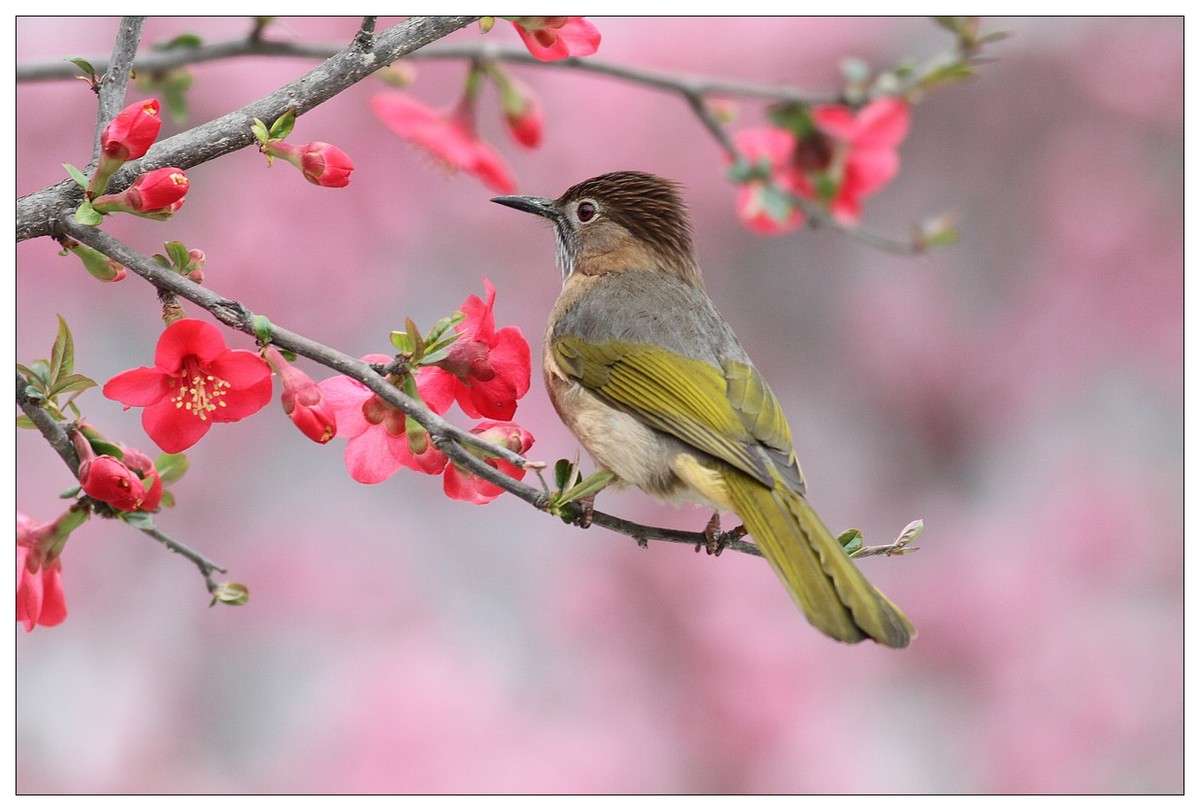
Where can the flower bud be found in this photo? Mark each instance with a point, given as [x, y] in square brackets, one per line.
[107, 479]
[302, 400]
[156, 195]
[129, 135]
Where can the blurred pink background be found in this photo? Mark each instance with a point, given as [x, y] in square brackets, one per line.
[1021, 392]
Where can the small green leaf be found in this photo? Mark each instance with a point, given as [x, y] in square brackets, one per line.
[62, 354]
[86, 215]
[171, 467]
[181, 41]
[105, 448]
[283, 125]
[76, 175]
[71, 492]
[851, 541]
[562, 474]
[262, 328]
[139, 519]
[24, 422]
[167, 500]
[84, 65]
[260, 131]
[71, 382]
[402, 342]
[591, 485]
[178, 253]
[418, 342]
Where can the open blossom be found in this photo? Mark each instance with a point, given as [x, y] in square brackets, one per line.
[762, 203]
[447, 135]
[465, 486]
[864, 149]
[128, 136]
[487, 370]
[196, 381]
[377, 439]
[553, 38]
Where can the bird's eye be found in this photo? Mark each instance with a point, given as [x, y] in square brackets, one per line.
[585, 211]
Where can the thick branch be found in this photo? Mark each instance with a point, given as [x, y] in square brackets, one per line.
[448, 438]
[231, 132]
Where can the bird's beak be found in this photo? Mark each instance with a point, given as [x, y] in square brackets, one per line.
[534, 205]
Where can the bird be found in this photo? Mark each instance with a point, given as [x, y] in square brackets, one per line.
[652, 381]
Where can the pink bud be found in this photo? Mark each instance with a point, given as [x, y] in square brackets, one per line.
[129, 135]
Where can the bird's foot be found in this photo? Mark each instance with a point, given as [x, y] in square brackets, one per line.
[715, 540]
[587, 508]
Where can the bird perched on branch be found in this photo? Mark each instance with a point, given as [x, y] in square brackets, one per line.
[648, 376]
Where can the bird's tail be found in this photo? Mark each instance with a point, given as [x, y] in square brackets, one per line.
[828, 587]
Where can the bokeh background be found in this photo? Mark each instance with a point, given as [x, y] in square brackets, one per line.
[1021, 392]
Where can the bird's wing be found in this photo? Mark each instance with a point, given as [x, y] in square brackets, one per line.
[727, 412]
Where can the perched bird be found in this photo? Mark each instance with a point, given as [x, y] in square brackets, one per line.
[652, 381]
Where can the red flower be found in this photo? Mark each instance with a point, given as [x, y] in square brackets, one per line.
[377, 440]
[465, 486]
[762, 202]
[321, 163]
[196, 381]
[40, 599]
[553, 38]
[447, 135]
[865, 149]
[107, 479]
[487, 369]
[302, 400]
[129, 135]
[157, 194]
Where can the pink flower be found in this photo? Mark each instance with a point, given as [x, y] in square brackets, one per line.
[465, 486]
[377, 437]
[196, 381]
[762, 202]
[129, 135]
[108, 479]
[321, 163]
[865, 149]
[448, 136]
[487, 369]
[157, 194]
[303, 400]
[40, 599]
[553, 38]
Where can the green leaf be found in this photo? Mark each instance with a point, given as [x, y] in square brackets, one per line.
[86, 215]
[139, 519]
[24, 422]
[181, 41]
[178, 253]
[562, 474]
[103, 447]
[167, 500]
[776, 203]
[403, 343]
[262, 328]
[851, 541]
[414, 332]
[71, 382]
[591, 485]
[37, 372]
[84, 65]
[283, 125]
[76, 175]
[171, 467]
[260, 131]
[62, 354]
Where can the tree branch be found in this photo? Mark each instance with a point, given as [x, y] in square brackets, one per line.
[231, 132]
[451, 440]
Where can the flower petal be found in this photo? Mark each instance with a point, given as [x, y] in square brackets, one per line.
[142, 386]
[173, 428]
[188, 336]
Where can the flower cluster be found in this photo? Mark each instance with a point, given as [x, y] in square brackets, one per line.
[836, 157]
[156, 195]
[450, 134]
[485, 370]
